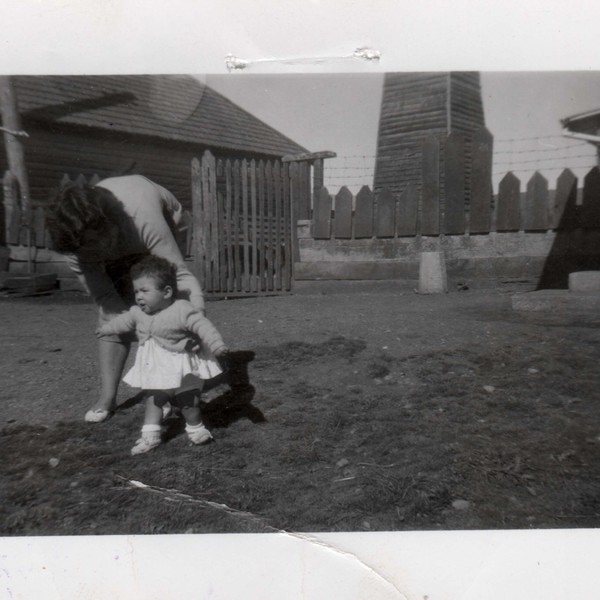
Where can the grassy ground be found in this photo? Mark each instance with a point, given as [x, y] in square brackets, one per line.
[357, 411]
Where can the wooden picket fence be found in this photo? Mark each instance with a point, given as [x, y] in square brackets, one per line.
[440, 206]
[243, 233]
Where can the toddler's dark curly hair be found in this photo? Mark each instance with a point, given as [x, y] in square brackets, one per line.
[74, 209]
[159, 269]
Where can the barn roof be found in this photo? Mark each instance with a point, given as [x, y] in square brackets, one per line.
[178, 108]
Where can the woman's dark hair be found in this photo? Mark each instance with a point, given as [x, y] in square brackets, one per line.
[73, 209]
[160, 269]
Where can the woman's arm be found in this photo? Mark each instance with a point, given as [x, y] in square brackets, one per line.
[98, 285]
[160, 241]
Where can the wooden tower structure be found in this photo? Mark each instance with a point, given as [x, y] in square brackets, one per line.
[415, 106]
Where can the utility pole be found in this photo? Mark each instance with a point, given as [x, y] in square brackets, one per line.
[13, 141]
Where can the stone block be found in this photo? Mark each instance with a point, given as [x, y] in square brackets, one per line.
[432, 273]
[555, 302]
[584, 281]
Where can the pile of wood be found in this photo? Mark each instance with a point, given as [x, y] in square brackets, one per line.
[31, 284]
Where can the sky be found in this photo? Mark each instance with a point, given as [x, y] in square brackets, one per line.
[340, 112]
[322, 96]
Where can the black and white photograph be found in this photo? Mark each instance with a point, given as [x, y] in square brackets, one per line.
[299, 304]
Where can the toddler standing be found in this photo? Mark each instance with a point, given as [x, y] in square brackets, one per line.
[165, 367]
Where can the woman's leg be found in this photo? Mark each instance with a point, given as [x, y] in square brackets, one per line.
[111, 358]
[113, 351]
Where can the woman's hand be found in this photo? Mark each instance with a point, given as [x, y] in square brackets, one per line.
[193, 345]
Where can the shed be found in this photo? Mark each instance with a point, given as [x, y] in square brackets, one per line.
[148, 124]
[584, 126]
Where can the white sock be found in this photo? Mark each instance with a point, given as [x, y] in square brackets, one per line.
[150, 428]
[192, 428]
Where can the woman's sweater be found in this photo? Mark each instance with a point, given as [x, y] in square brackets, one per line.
[144, 230]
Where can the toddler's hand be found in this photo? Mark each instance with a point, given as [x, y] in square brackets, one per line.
[223, 355]
[99, 332]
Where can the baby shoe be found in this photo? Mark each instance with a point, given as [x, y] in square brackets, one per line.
[150, 439]
[97, 415]
[198, 434]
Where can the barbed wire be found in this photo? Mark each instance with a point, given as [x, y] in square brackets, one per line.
[541, 160]
[542, 150]
[373, 157]
[524, 139]
[519, 155]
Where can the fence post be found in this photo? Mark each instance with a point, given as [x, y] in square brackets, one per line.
[204, 185]
[363, 213]
[197, 210]
[590, 210]
[277, 222]
[385, 225]
[564, 212]
[254, 282]
[318, 176]
[508, 209]
[9, 185]
[535, 213]
[270, 217]
[289, 229]
[301, 185]
[342, 224]
[408, 211]
[454, 184]
[481, 182]
[15, 152]
[322, 215]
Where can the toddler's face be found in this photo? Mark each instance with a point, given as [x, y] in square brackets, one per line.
[149, 297]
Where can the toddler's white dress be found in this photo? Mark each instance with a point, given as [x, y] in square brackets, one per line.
[156, 368]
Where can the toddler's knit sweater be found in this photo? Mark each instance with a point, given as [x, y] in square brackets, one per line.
[171, 327]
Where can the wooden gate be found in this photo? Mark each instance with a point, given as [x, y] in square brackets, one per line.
[243, 234]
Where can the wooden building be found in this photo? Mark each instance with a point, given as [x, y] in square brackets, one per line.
[147, 124]
[414, 106]
[584, 126]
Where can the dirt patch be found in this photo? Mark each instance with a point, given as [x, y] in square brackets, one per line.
[372, 410]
